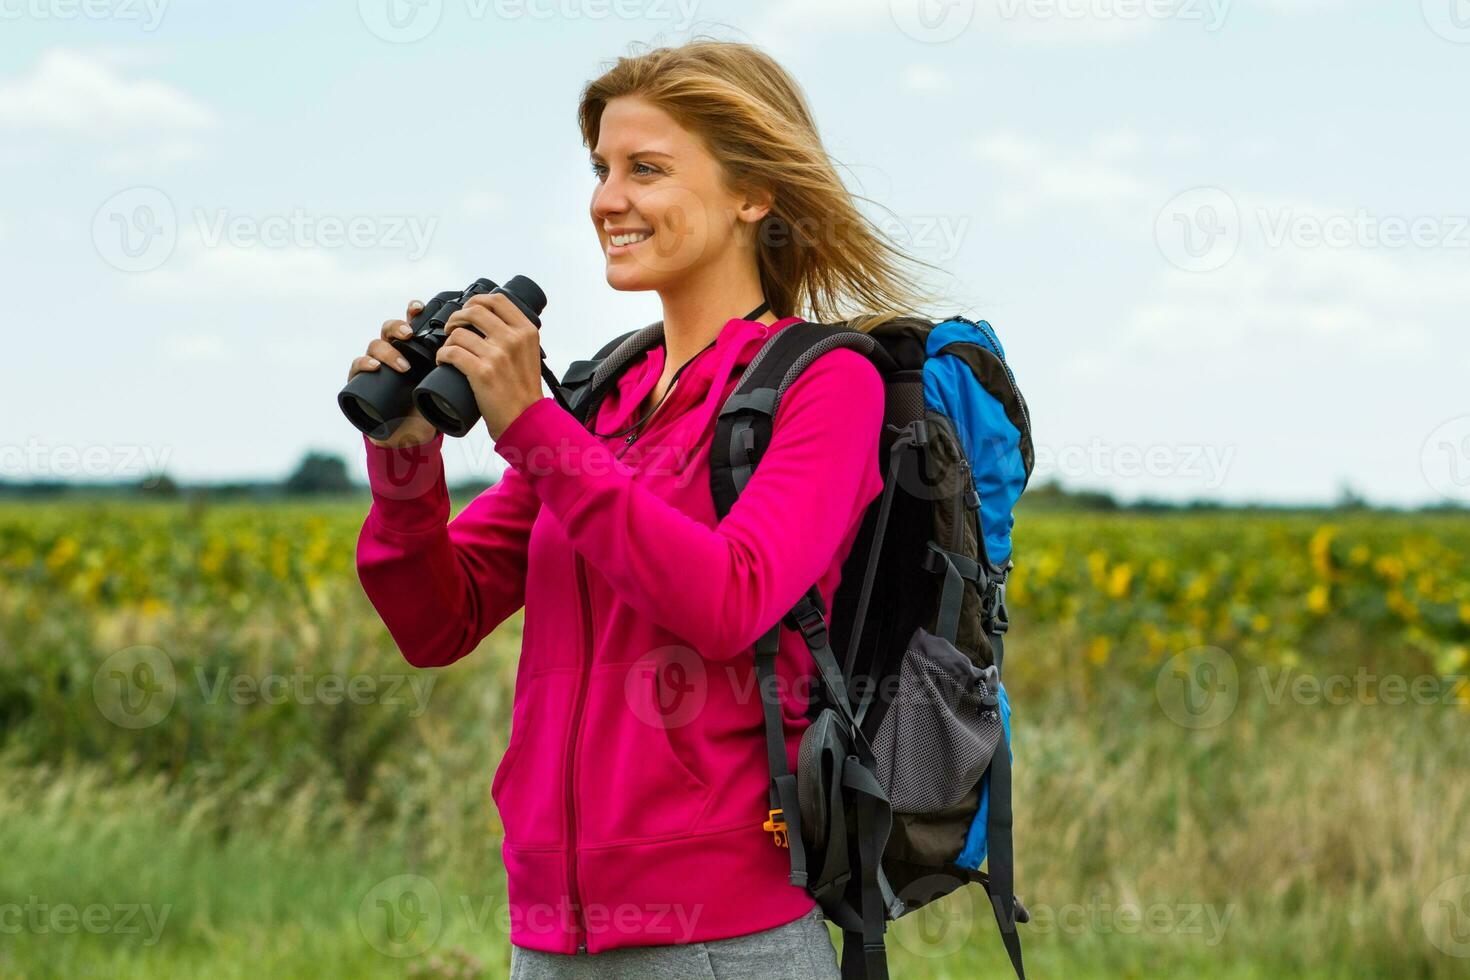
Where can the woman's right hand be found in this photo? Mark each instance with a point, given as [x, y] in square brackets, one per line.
[415, 429]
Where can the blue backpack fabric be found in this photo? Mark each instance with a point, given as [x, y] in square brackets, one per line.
[899, 795]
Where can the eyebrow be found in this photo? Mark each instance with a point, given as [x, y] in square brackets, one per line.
[597, 157]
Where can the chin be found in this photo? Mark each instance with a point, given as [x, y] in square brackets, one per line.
[630, 280]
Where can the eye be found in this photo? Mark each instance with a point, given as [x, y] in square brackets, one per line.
[644, 169]
[599, 171]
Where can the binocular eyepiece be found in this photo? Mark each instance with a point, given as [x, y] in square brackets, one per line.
[377, 402]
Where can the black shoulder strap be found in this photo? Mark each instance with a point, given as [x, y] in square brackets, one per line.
[743, 430]
[586, 383]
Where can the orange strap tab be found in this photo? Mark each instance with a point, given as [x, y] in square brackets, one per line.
[776, 824]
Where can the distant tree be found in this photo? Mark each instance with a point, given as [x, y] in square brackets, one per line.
[158, 485]
[319, 473]
[1349, 499]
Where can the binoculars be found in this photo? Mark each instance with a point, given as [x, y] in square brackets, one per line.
[377, 402]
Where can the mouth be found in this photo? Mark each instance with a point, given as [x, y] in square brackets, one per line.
[623, 242]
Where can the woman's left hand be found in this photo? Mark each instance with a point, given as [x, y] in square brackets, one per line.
[504, 365]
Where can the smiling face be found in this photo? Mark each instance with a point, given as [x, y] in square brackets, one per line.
[661, 207]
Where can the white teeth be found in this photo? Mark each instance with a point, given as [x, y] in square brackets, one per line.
[628, 239]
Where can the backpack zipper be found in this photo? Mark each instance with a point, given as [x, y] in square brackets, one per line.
[994, 346]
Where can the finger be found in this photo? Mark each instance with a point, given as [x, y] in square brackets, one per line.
[388, 354]
[503, 307]
[395, 330]
[415, 307]
[458, 357]
[360, 364]
[474, 343]
[478, 317]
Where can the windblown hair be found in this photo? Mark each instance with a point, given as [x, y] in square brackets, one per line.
[818, 255]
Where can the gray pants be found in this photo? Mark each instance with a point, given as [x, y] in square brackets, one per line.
[799, 950]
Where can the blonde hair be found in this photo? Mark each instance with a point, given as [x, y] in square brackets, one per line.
[755, 121]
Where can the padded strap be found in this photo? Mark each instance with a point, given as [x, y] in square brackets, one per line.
[783, 782]
[1000, 860]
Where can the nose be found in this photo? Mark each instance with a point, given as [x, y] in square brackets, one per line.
[609, 198]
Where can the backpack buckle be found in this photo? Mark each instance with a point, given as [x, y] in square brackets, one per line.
[776, 824]
[994, 605]
[808, 617]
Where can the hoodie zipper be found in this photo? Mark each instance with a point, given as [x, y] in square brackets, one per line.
[572, 740]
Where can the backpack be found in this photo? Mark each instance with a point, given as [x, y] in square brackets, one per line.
[903, 782]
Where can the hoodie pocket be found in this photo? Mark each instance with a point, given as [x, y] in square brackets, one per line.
[527, 787]
[634, 780]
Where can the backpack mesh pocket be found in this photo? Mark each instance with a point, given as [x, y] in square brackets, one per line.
[943, 725]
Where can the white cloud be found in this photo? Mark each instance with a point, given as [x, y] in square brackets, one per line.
[200, 271]
[1039, 176]
[79, 94]
[925, 79]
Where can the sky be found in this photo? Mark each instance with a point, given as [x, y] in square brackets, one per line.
[1226, 242]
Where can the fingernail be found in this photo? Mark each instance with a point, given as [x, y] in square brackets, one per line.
[404, 330]
[416, 306]
[373, 362]
[402, 363]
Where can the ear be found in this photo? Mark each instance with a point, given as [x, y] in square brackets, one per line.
[755, 204]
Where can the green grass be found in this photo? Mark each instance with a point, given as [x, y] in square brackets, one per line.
[1290, 840]
[1294, 844]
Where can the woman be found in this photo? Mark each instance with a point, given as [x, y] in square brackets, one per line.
[634, 789]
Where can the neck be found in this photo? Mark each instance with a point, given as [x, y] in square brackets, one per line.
[697, 308]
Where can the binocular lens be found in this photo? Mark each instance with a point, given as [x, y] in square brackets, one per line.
[442, 409]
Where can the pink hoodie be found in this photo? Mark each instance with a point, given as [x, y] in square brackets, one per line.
[635, 783]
